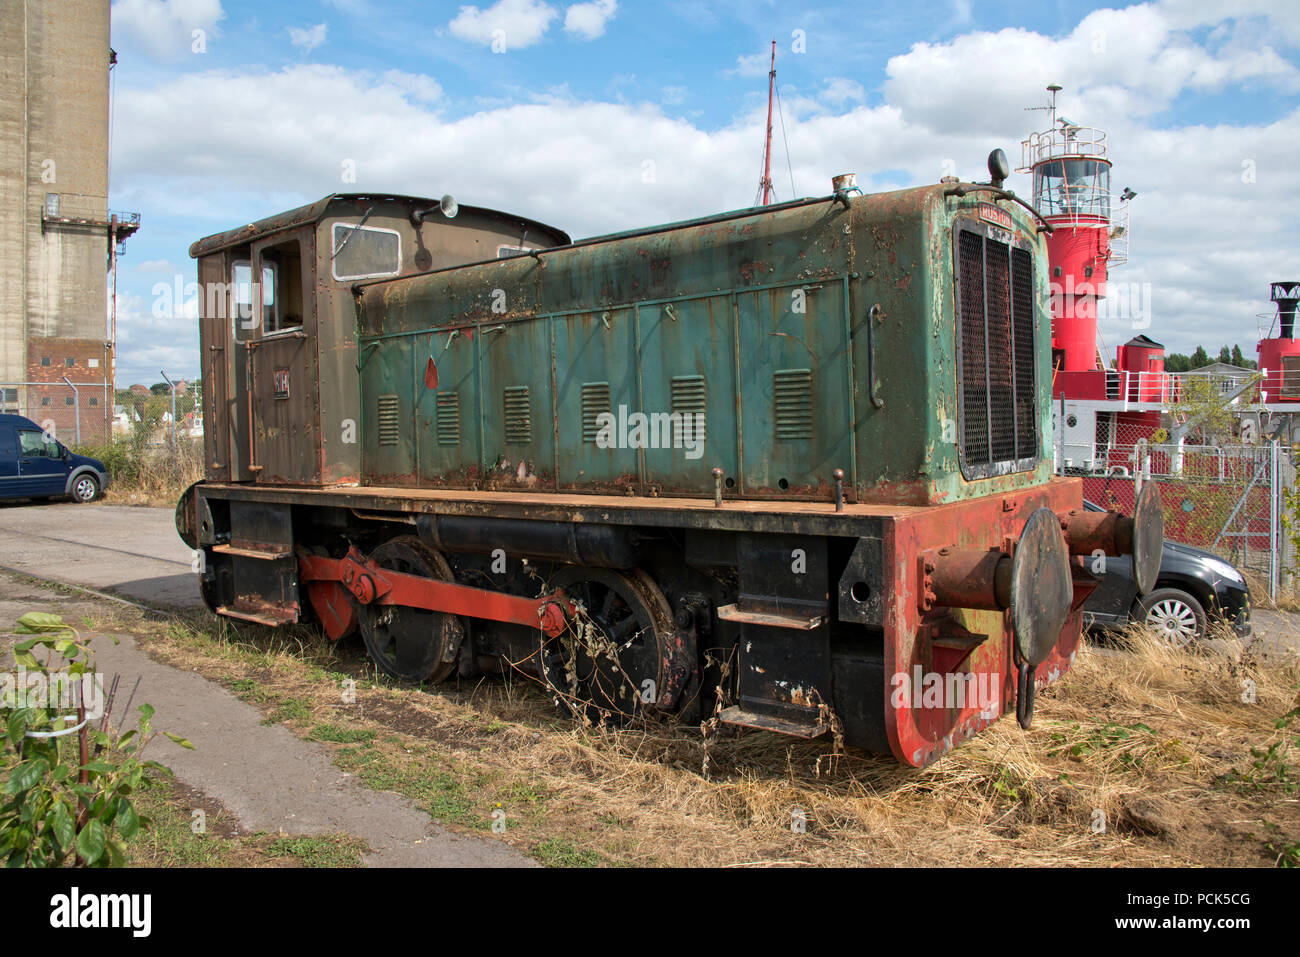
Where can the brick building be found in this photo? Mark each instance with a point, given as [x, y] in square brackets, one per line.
[58, 239]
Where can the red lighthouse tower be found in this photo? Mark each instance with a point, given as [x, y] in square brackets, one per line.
[1072, 191]
[1279, 356]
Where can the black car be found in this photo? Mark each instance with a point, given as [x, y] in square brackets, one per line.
[1194, 587]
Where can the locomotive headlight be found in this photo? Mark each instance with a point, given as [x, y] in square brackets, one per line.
[999, 168]
[1224, 570]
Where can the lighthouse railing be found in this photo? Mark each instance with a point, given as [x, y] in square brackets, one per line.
[1062, 142]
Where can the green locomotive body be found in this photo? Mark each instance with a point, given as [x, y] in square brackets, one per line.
[811, 337]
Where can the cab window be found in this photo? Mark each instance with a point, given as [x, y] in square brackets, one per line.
[282, 287]
[365, 252]
[242, 282]
[270, 305]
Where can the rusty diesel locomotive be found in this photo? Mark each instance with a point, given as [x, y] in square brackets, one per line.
[786, 466]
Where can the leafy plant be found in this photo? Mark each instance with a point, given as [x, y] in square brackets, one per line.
[60, 804]
[1288, 855]
[1128, 744]
[1270, 767]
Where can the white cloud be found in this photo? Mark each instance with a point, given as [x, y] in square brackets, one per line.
[164, 29]
[1133, 61]
[588, 20]
[752, 64]
[353, 7]
[516, 23]
[308, 38]
[839, 91]
[417, 86]
[674, 95]
[147, 342]
[155, 266]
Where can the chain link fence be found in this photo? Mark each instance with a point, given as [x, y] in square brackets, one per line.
[1229, 498]
[73, 412]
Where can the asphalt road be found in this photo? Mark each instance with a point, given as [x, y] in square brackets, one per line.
[125, 550]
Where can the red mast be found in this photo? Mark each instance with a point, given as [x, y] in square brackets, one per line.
[765, 184]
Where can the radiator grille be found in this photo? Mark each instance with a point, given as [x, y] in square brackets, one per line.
[449, 418]
[792, 398]
[1022, 330]
[519, 415]
[595, 400]
[389, 428]
[999, 420]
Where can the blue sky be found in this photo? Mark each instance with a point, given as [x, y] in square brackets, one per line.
[264, 109]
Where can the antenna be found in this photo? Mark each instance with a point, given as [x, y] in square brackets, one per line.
[765, 184]
[1052, 88]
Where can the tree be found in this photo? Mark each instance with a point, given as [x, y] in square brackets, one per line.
[160, 388]
[1225, 356]
[1200, 358]
[1200, 403]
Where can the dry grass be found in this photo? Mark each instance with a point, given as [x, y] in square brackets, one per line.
[1288, 599]
[1138, 737]
[153, 476]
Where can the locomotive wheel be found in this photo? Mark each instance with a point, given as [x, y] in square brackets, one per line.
[610, 660]
[411, 644]
[209, 593]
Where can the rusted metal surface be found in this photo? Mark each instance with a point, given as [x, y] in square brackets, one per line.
[968, 578]
[282, 404]
[478, 392]
[919, 733]
[1107, 532]
[623, 650]
[333, 606]
[257, 609]
[1041, 587]
[1148, 537]
[626, 321]
[369, 584]
[312, 213]
[1112, 533]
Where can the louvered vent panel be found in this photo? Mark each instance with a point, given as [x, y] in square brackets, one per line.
[449, 418]
[389, 427]
[518, 414]
[595, 400]
[689, 398]
[792, 399]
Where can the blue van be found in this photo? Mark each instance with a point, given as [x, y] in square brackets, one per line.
[34, 466]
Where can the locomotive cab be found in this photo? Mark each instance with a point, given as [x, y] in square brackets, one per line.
[278, 328]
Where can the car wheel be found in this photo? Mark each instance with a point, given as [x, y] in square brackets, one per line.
[85, 488]
[1173, 614]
